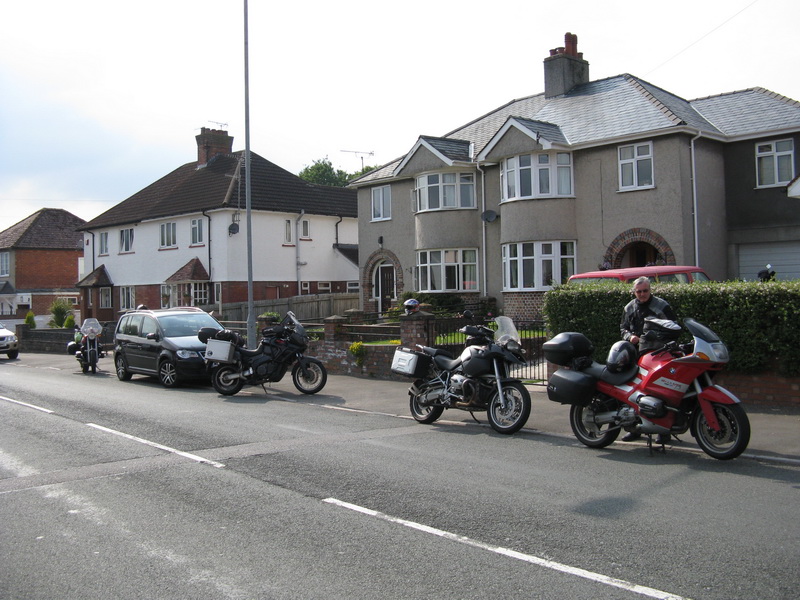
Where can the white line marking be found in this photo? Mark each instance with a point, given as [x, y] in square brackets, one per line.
[33, 406]
[193, 457]
[542, 562]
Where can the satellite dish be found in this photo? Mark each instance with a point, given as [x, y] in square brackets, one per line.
[488, 216]
[233, 228]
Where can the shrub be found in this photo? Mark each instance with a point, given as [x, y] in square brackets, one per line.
[69, 322]
[359, 352]
[754, 319]
[60, 308]
[30, 319]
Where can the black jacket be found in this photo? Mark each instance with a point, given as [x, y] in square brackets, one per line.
[633, 318]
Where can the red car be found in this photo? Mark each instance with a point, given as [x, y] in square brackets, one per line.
[658, 274]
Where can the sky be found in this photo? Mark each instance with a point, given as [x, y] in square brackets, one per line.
[100, 98]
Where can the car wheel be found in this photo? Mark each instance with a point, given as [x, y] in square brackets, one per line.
[122, 369]
[168, 374]
[13, 354]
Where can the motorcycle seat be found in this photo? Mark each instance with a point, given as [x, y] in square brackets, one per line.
[249, 353]
[599, 371]
[436, 352]
[445, 362]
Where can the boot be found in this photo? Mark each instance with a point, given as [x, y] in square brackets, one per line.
[632, 436]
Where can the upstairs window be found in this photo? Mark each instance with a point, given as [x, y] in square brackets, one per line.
[126, 240]
[103, 247]
[288, 235]
[169, 235]
[445, 191]
[5, 264]
[381, 203]
[542, 175]
[635, 166]
[774, 163]
[197, 232]
[305, 229]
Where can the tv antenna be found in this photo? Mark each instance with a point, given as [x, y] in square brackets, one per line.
[220, 125]
[361, 154]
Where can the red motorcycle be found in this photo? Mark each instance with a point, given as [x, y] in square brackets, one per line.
[669, 390]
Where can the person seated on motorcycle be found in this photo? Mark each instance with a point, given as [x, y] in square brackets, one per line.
[644, 304]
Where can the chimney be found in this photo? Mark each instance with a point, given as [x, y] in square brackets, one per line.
[211, 142]
[564, 68]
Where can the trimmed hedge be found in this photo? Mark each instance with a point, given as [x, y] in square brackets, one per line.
[757, 321]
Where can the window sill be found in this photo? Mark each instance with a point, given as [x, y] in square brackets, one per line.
[636, 189]
[168, 248]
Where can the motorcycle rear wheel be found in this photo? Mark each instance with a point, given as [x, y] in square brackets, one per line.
[226, 380]
[316, 379]
[517, 410]
[423, 414]
[589, 433]
[731, 440]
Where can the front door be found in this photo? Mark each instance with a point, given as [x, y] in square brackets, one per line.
[385, 289]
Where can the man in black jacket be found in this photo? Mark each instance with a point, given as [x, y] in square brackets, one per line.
[643, 305]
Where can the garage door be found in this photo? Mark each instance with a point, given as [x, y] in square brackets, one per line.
[783, 256]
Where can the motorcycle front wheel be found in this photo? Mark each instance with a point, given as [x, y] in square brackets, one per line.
[93, 360]
[510, 419]
[313, 381]
[732, 438]
[588, 432]
[423, 414]
[226, 380]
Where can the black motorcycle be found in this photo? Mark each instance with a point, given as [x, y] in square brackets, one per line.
[478, 380]
[282, 345]
[86, 348]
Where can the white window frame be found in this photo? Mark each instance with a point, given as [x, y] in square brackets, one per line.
[445, 190]
[105, 297]
[774, 163]
[198, 239]
[127, 298]
[169, 235]
[636, 166]
[382, 203]
[103, 244]
[305, 229]
[537, 175]
[5, 264]
[447, 270]
[288, 232]
[200, 293]
[126, 240]
[324, 286]
[534, 265]
[353, 287]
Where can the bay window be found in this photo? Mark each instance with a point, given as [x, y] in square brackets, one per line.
[447, 270]
[540, 175]
[531, 266]
[444, 191]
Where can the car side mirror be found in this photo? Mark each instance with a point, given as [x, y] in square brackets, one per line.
[152, 336]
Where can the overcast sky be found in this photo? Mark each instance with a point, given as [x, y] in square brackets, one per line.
[100, 98]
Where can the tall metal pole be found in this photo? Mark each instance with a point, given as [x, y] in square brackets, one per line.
[252, 341]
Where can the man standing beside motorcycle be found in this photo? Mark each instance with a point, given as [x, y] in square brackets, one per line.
[644, 304]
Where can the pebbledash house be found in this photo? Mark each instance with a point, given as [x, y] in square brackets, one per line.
[589, 174]
[182, 241]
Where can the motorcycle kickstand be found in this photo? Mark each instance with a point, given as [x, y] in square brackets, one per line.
[650, 445]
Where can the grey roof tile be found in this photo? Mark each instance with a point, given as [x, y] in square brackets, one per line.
[48, 228]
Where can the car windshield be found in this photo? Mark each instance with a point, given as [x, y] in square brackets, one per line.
[188, 324]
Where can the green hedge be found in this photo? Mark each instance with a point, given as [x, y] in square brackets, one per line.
[757, 321]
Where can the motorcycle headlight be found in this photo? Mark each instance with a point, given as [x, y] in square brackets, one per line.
[513, 346]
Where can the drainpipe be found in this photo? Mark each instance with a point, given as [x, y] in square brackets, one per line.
[93, 260]
[694, 200]
[297, 248]
[483, 231]
[336, 243]
[207, 216]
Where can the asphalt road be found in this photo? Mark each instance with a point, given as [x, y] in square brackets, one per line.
[114, 489]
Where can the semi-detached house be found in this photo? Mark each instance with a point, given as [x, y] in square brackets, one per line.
[589, 174]
[182, 240]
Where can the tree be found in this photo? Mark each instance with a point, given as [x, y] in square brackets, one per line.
[60, 308]
[323, 173]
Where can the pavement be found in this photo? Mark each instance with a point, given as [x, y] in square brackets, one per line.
[774, 436]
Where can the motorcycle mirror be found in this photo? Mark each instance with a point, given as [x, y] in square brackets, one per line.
[467, 314]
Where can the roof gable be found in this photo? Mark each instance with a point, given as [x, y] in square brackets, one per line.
[542, 135]
[449, 151]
